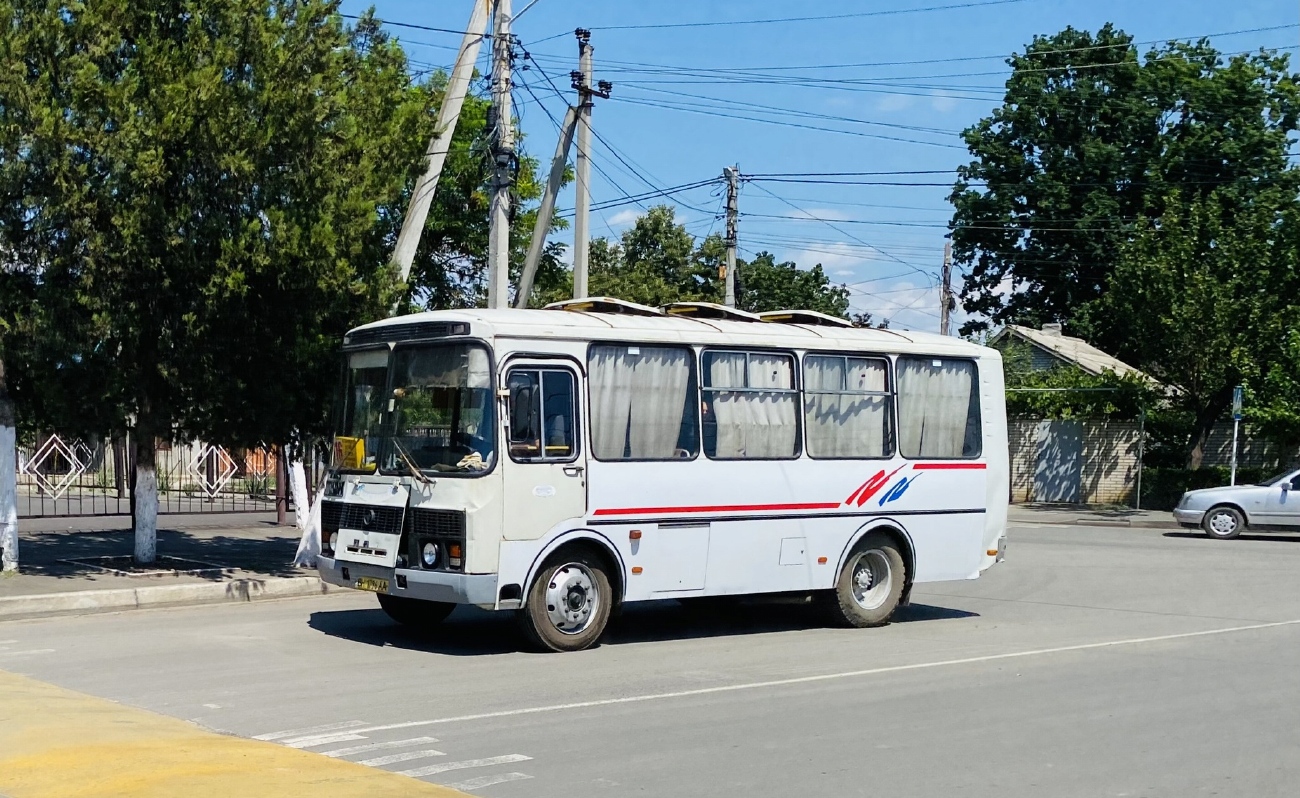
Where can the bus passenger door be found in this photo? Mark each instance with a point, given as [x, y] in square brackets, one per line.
[545, 469]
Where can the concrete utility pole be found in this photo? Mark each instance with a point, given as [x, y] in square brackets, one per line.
[945, 289]
[547, 210]
[582, 171]
[732, 173]
[408, 240]
[504, 162]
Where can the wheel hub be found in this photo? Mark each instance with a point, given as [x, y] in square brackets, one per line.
[571, 598]
[872, 579]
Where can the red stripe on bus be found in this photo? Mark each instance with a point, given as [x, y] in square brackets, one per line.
[721, 508]
[950, 466]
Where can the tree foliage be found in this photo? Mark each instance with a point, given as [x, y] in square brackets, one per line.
[1148, 204]
[656, 261]
[199, 197]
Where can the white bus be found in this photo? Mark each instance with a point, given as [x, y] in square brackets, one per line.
[561, 462]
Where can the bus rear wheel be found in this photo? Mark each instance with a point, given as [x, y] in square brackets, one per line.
[870, 585]
[569, 603]
[415, 613]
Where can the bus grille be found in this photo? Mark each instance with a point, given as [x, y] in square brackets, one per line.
[337, 515]
[443, 523]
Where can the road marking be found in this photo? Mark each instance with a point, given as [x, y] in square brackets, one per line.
[25, 653]
[7, 642]
[433, 770]
[321, 739]
[280, 735]
[405, 756]
[825, 677]
[212, 706]
[487, 781]
[361, 749]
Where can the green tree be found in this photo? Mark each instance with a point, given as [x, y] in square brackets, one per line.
[657, 262]
[1091, 140]
[196, 200]
[1204, 295]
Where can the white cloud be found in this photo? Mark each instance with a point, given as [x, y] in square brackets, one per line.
[845, 273]
[943, 104]
[894, 102]
[623, 218]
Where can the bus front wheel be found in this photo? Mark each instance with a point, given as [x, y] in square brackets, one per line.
[870, 585]
[569, 603]
[415, 613]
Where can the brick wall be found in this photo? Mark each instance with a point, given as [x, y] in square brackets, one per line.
[1110, 459]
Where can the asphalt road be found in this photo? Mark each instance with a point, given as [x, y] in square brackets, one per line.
[1094, 662]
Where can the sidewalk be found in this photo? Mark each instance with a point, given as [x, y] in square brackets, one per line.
[1094, 516]
[78, 565]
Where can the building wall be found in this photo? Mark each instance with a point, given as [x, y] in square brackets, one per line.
[1110, 460]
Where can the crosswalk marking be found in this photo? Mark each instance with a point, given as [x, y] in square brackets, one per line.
[405, 756]
[487, 781]
[433, 770]
[329, 727]
[361, 749]
[322, 739]
[28, 651]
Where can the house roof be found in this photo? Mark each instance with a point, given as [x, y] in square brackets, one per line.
[1075, 351]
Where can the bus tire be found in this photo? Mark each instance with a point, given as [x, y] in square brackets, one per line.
[569, 602]
[870, 585]
[415, 613]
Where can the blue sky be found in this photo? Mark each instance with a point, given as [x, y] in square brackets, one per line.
[884, 241]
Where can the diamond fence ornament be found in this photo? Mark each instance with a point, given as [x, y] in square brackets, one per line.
[223, 470]
[55, 484]
[85, 455]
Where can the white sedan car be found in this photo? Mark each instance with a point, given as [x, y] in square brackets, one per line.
[1227, 512]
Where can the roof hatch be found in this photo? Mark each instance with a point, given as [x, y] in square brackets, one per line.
[804, 317]
[605, 304]
[708, 310]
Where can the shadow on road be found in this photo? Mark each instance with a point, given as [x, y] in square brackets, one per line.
[1248, 536]
[471, 631]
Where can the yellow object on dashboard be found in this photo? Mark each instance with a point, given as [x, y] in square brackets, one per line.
[350, 453]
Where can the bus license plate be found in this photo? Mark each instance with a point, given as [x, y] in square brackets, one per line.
[372, 584]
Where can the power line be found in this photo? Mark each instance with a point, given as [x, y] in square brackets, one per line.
[822, 18]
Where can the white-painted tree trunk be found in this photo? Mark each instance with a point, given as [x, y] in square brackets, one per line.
[298, 490]
[146, 511]
[8, 493]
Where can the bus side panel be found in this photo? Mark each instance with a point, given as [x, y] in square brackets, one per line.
[993, 400]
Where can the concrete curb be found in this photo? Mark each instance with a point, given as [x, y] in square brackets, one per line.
[78, 602]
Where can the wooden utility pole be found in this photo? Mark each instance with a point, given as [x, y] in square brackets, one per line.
[503, 159]
[408, 240]
[732, 173]
[945, 289]
[582, 168]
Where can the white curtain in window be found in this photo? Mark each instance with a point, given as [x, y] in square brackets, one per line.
[754, 424]
[845, 424]
[660, 378]
[638, 395]
[934, 399]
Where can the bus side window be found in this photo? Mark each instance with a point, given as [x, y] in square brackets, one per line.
[938, 408]
[541, 413]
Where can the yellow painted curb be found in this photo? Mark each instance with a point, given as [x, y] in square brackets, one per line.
[56, 743]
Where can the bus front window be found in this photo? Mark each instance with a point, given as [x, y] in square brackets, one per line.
[443, 417]
[356, 443]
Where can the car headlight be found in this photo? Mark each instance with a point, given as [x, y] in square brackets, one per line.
[429, 555]
[334, 541]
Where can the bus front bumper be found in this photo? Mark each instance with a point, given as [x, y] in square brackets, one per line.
[450, 588]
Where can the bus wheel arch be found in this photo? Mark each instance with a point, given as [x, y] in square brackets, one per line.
[600, 545]
[895, 531]
[571, 594]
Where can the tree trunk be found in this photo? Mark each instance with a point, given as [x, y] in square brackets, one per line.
[281, 476]
[1206, 417]
[8, 482]
[145, 494]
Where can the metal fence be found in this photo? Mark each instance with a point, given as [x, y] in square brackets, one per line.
[61, 476]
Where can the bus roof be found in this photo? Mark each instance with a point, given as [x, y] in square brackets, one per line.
[678, 329]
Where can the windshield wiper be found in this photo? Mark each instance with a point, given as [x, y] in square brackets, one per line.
[410, 464]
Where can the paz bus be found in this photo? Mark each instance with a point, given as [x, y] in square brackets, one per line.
[561, 462]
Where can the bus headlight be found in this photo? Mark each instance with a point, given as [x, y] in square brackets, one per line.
[429, 555]
[334, 541]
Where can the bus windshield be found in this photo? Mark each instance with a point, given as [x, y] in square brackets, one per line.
[442, 410]
[360, 418]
